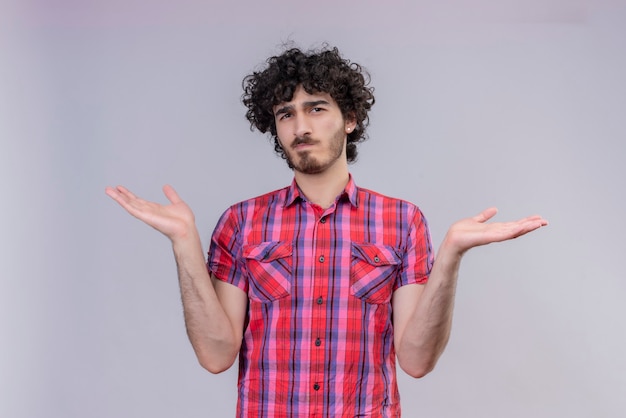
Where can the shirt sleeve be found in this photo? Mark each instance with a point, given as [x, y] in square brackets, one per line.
[417, 260]
[225, 261]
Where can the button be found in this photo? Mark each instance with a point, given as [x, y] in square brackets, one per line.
[318, 342]
[316, 386]
[323, 220]
[320, 300]
[376, 259]
[321, 258]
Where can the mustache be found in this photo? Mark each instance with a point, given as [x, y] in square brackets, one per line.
[307, 140]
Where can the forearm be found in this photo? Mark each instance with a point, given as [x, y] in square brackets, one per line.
[212, 335]
[214, 331]
[427, 330]
[424, 327]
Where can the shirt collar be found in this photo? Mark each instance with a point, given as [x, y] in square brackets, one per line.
[350, 192]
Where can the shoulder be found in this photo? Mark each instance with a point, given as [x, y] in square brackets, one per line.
[367, 196]
[235, 218]
[269, 198]
[393, 210]
[242, 210]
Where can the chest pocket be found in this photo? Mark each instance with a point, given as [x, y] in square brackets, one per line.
[373, 272]
[269, 266]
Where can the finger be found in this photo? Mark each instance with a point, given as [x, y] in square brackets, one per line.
[125, 199]
[534, 219]
[537, 218]
[171, 194]
[125, 192]
[529, 225]
[486, 214]
[115, 194]
[537, 222]
[110, 191]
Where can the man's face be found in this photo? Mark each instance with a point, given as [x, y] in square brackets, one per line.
[312, 131]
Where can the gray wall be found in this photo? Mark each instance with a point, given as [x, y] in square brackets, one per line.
[518, 104]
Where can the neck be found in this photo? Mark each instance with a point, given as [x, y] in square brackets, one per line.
[323, 188]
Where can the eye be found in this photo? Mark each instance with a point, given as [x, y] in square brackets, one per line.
[285, 115]
[316, 109]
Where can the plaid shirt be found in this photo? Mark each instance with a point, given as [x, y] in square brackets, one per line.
[318, 341]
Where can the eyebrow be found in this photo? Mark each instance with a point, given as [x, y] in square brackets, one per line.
[309, 105]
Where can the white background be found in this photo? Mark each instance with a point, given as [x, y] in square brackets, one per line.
[518, 104]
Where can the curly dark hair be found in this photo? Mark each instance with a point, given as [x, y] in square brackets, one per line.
[321, 71]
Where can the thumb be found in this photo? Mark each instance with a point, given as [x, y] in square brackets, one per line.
[171, 194]
[486, 214]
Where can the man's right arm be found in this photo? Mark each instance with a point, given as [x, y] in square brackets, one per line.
[214, 311]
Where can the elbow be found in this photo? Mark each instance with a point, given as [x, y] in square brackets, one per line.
[417, 367]
[216, 356]
[216, 366]
[214, 369]
[417, 361]
[217, 363]
[418, 372]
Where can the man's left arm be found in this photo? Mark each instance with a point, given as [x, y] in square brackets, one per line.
[422, 314]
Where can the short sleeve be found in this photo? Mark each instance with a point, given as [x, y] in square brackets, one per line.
[417, 260]
[224, 259]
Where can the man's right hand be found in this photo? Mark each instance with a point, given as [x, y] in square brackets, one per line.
[214, 313]
[176, 220]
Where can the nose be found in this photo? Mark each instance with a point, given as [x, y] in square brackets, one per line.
[302, 126]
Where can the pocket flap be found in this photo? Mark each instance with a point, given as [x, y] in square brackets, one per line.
[267, 251]
[375, 254]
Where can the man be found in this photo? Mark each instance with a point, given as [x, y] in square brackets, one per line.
[302, 282]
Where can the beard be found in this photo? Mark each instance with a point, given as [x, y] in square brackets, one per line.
[307, 162]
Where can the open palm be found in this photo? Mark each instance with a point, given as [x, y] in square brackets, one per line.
[173, 220]
[475, 231]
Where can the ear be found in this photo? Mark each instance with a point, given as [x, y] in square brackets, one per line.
[350, 123]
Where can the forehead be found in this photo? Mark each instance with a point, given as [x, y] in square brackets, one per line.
[302, 97]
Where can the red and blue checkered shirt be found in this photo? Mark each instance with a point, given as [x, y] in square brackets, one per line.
[318, 340]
